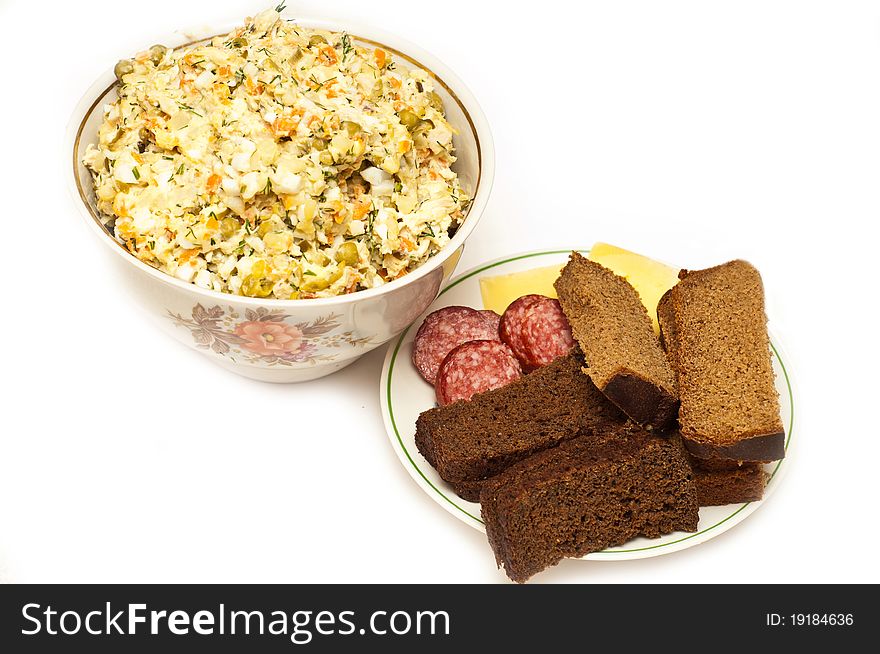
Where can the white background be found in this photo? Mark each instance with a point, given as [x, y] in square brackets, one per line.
[695, 132]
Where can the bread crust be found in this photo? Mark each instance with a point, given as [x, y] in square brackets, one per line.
[762, 447]
[642, 400]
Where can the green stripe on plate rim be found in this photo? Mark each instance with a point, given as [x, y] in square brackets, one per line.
[477, 271]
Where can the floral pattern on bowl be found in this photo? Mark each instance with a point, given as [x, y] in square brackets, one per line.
[265, 337]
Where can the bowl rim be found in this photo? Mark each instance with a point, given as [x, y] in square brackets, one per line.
[407, 51]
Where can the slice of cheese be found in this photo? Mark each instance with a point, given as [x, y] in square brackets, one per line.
[650, 278]
[499, 291]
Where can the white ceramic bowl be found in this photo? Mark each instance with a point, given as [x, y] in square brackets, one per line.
[294, 340]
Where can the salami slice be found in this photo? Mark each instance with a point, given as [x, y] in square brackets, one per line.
[546, 333]
[444, 330]
[493, 319]
[512, 322]
[475, 367]
[536, 330]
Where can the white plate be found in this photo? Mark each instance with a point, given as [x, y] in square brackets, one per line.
[404, 395]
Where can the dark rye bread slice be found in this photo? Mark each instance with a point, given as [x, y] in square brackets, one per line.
[470, 441]
[718, 481]
[715, 332]
[592, 492]
[721, 482]
[469, 490]
[611, 325]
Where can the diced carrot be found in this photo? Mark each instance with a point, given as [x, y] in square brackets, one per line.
[404, 146]
[221, 92]
[253, 87]
[361, 210]
[186, 255]
[224, 71]
[327, 55]
[284, 125]
[395, 83]
[213, 182]
[212, 223]
[380, 57]
[120, 209]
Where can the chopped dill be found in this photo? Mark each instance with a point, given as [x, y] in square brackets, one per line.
[189, 109]
[346, 47]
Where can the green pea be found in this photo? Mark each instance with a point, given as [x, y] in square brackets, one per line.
[157, 53]
[347, 254]
[123, 67]
[409, 119]
[254, 286]
[228, 227]
[435, 101]
[317, 39]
